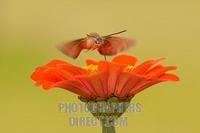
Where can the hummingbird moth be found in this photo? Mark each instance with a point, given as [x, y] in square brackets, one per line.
[106, 45]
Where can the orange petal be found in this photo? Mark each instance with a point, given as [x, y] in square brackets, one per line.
[72, 69]
[73, 86]
[142, 85]
[103, 65]
[47, 78]
[125, 59]
[36, 75]
[94, 83]
[159, 71]
[133, 82]
[46, 85]
[145, 66]
[91, 62]
[55, 62]
[40, 70]
[168, 77]
[149, 82]
[114, 72]
[49, 74]
[125, 83]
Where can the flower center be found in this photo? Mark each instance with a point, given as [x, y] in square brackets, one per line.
[129, 68]
[91, 68]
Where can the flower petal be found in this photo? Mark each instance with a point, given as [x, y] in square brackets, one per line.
[93, 82]
[55, 62]
[142, 85]
[145, 66]
[125, 60]
[125, 83]
[46, 78]
[49, 74]
[72, 69]
[156, 72]
[108, 79]
[168, 77]
[103, 66]
[113, 71]
[73, 86]
[91, 62]
[133, 82]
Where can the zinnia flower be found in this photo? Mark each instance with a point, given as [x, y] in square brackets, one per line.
[119, 78]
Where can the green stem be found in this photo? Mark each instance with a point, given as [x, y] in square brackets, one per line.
[107, 127]
[110, 129]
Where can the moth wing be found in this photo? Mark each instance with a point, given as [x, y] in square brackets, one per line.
[73, 48]
[113, 45]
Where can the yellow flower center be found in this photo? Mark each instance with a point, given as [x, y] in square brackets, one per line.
[129, 68]
[91, 68]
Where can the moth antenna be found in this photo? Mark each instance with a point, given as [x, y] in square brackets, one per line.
[116, 33]
[90, 35]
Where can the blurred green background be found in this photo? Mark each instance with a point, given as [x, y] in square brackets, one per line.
[30, 30]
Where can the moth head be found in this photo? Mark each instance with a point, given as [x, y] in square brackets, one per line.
[96, 38]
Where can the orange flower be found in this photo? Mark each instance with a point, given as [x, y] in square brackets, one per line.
[119, 77]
